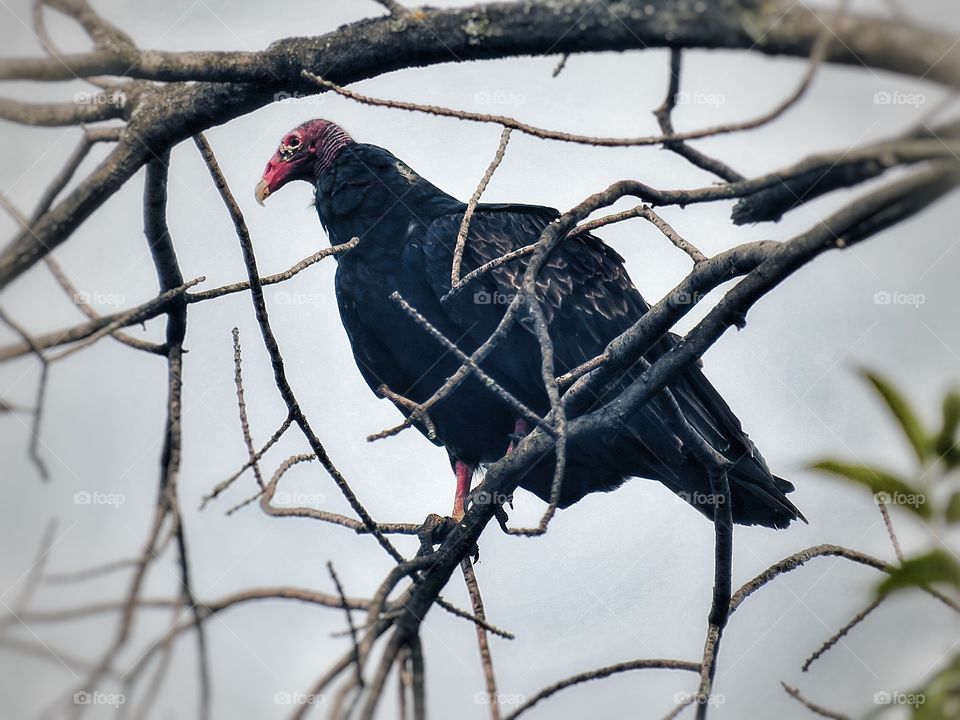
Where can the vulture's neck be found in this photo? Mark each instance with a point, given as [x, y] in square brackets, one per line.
[332, 142]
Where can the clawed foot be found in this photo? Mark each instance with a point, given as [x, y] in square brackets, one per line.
[435, 530]
[484, 497]
[501, 515]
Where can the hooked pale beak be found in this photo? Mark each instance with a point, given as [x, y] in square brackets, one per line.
[261, 192]
[276, 174]
[286, 165]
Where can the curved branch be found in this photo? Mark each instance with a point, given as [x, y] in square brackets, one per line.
[206, 608]
[816, 709]
[818, 52]
[798, 559]
[645, 664]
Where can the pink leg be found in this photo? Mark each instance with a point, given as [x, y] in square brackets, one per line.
[464, 476]
[520, 428]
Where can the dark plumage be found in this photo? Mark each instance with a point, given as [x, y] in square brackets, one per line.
[407, 229]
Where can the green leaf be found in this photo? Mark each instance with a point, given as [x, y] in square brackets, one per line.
[886, 487]
[904, 414]
[946, 440]
[935, 567]
[952, 514]
[939, 698]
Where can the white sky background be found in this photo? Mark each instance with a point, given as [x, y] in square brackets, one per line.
[619, 576]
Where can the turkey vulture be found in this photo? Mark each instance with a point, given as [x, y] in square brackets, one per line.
[407, 230]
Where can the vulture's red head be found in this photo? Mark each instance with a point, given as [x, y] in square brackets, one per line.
[304, 153]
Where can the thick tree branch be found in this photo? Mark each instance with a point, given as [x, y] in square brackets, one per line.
[492, 30]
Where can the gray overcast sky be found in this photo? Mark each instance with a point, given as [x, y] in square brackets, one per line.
[619, 576]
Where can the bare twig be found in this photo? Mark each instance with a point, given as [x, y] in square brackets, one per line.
[488, 266]
[272, 279]
[486, 659]
[32, 580]
[557, 416]
[163, 300]
[478, 621]
[406, 404]
[469, 365]
[888, 524]
[647, 213]
[350, 625]
[600, 673]
[242, 407]
[813, 707]
[799, 559]
[207, 608]
[78, 300]
[34, 446]
[723, 572]
[92, 573]
[472, 206]
[224, 484]
[665, 120]
[841, 633]
[266, 497]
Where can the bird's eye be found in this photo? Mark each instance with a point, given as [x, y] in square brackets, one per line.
[293, 141]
